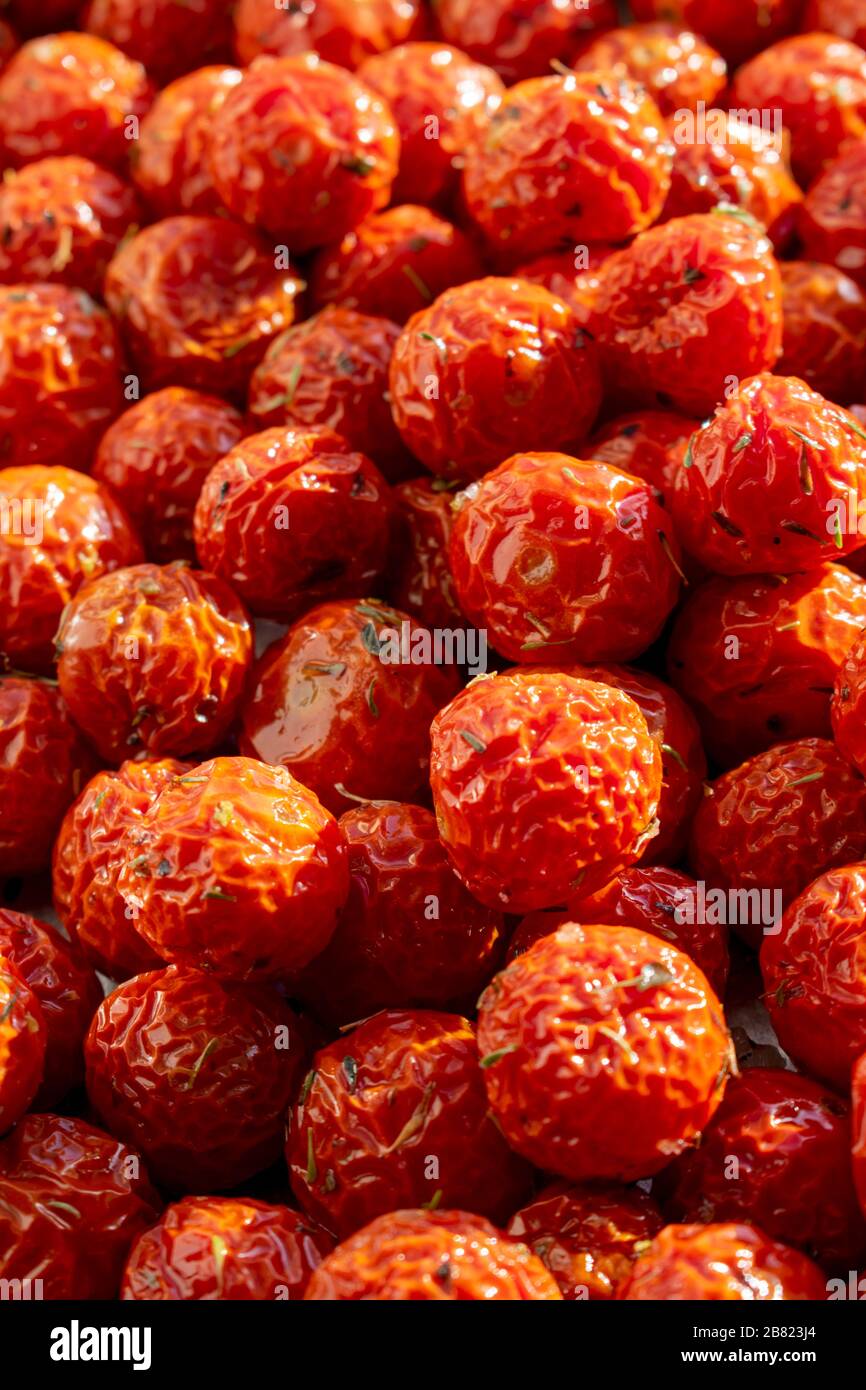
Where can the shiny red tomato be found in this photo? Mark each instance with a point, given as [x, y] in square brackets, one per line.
[343, 31]
[719, 1263]
[737, 28]
[420, 579]
[858, 1126]
[169, 163]
[22, 1045]
[522, 38]
[832, 221]
[648, 444]
[678, 68]
[824, 339]
[169, 37]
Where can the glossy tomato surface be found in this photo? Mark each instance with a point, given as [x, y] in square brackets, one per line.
[153, 660]
[521, 38]
[858, 1125]
[343, 31]
[738, 28]
[168, 37]
[23, 1039]
[721, 1262]
[832, 220]
[419, 578]
[648, 444]
[169, 159]
[848, 704]
[824, 340]
[678, 68]
[403, 1086]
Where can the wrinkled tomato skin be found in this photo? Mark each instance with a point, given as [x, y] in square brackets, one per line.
[849, 702]
[731, 161]
[74, 94]
[512, 370]
[520, 38]
[157, 455]
[237, 869]
[60, 375]
[722, 1262]
[737, 28]
[647, 444]
[678, 348]
[402, 1086]
[72, 1201]
[432, 87]
[562, 558]
[198, 300]
[167, 37]
[213, 1248]
[543, 784]
[788, 635]
[82, 532]
[324, 678]
[825, 330]
[153, 661]
[832, 220]
[818, 84]
[61, 220]
[44, 763]
[790, 1140]
[87, 860]
[573, 1099]
[303, 149]
[199, 1072]
[858, 1128]
[764, 480]
[22, 1045]
[569, 275]
[66, 989]
[776, 821]
[409, 933]
[420, 579]
[815, 974]
[587, 1237]
[169, 163]
[678, 68]
[565, 161]
[431, 1255]
[332, 371]
[291, 517]
[394, 263]
[342, 31]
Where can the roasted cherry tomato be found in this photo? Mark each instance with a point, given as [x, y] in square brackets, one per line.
[766, 828]
[87, 860]
[23, 1037]
[648, 444]
[44, 763]
[62, 220]
[62, 529]
[157, 455]
[815, 972]
[588, 1237]
[169, 163]
[777, 1153]
[343, 31]
[814, 83]
[60, 375]
[198, 300]
[66, 990]
[685, 308]
[431, 1255]
[756, 655]
[491, 367]
[168, 37]
[71, 94]
[521, 38]
[402, 1088]
[409, 933]
[153, 660]
[737, 28]
[442, 102]
[570, 275]
[291, 517]
[235, 868]
[198, 1072]
[765, 484]
[678, 68]
[825, 330]
[72, 1201]
[332, 371]
[213, 1248]
[420, 575]
[858, 1127]
[832, 220]
[568, 160]
[345, 700]
[849, 699]
[303, 149]
[727, 160]
[720, 1263]
[560, 558]
[605, 1052]
[544, 785]
[394, 263]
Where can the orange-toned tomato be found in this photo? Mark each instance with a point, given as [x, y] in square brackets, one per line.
[649, 444]
[22, 1045]
[824, 339]
[678, 68]
[343, 31]
[737, 28]
[169, 163]
[169, 37]
[832, 221]
[719, 1263]
[858, 1126]
[153, 660]
[848, 703]
[420, 579]
[522, 38]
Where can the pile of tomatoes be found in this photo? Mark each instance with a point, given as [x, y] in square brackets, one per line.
[432, 649]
